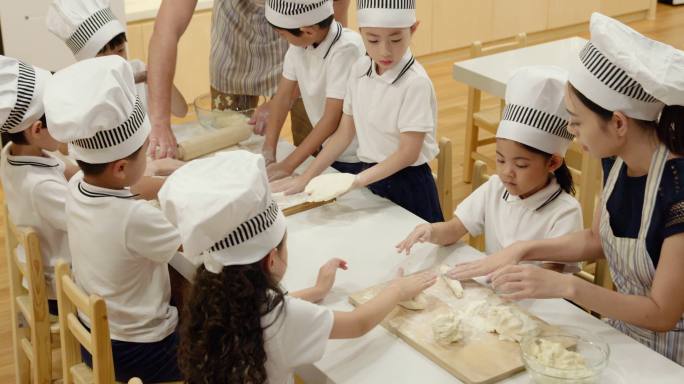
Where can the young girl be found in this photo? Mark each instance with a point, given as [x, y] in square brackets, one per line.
[240, 326]
[626, 102]
[391, 108]
[530, 197]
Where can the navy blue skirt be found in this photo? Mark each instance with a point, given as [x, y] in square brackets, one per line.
[412, 188]
[353, 168]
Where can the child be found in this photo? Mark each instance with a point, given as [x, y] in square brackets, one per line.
[317, 63]
[530, 197]
[239, 325]
[90, 29]
[120, 245]
[391, 108]
[34, 181]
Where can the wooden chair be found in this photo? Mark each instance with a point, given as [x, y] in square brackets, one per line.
[487, 120]
[480, 177]
[444, 178]
[34, 333]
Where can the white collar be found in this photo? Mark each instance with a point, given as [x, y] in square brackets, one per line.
[94, 192]
[539, 200]
[47, 161]
[394, 74]
[323, 49]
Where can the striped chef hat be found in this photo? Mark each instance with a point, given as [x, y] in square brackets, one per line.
[386, 13]
[21, 94]
[86, 26]
[622, 70]
[93, 106]
[290, 14]
[535, 113]
[223, 209]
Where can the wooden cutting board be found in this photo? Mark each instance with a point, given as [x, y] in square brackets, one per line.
[480, 360]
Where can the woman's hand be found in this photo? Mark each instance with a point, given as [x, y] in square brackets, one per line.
[518, 282]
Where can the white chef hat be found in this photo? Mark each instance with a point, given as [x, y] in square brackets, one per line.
[386, 13]
[86, 26]
[223, 209]
[535, 113]
[21, 94]
[622, 70]
[297, 13]
[93, 106]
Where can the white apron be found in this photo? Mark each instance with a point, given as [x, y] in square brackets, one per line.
[630, 264]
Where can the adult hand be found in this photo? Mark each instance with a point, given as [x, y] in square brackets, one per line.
[162, 142]
[518, 282]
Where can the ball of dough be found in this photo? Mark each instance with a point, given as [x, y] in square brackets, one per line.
[446, 329]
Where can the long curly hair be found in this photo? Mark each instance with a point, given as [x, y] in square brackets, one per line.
[222, 338]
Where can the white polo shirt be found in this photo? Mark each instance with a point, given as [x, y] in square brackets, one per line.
[35, 194]
[120, 251]
[322, 73]
[505, 218]
[298, 337]
[401, 100]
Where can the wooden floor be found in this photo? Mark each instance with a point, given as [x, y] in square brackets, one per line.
[668, 27]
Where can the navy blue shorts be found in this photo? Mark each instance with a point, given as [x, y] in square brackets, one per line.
[151, 362]
[353, 168]
[412, 188]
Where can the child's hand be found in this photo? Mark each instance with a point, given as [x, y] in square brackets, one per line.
[290, 185]
[410, 286]
[163, 167]
[260, 118]
[277, 171]
[421, 234]
[140, 77]
[326, 275]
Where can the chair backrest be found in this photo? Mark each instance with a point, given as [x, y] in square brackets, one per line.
[477, 48]
[480, 177]
[445, 178]
[31, 303]
[71, 300]
[586, 173]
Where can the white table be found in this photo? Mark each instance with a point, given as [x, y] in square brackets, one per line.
[363, 229]
[491, 73]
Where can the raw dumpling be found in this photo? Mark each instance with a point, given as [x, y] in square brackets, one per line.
[329, 186]
[446, 329]
[454, 285]
[418, 303]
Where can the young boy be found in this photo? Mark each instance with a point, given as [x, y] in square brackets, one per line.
[90, 29]
[317, 63]
[391, 108]
[120, 245]
[34, 181]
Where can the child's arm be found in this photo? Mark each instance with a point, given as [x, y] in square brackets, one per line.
[179, 106]
[323, 129]
[278, 108]
[148, 187]
[348, 325]
[410, 144]
[324, 282]
[70, 170]
[445, 233]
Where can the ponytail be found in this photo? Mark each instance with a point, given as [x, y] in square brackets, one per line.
[670, 128]
[222, 338]
[564, 178]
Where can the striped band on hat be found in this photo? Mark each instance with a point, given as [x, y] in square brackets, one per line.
[611, 75]
[116, 136]
[88, 28]
[386, 4]
[290, 8]
[249, 229]
[539, 119]
[26, 84]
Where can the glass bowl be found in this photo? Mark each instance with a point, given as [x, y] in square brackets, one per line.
[211, 118]
[563, 355]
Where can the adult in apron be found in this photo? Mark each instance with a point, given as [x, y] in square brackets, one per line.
[631, 266]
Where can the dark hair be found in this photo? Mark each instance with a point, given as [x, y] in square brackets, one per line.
[669, 129]
[222, 338]
[97, 169]
[298, 32]
[20, 137]
[562, 174]
[114, 43]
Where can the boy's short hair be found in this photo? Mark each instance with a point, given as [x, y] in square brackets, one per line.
[20, 137]
[97, 169]
[114, 42]
[297, 32]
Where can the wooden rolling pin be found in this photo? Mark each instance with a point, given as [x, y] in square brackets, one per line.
[213, 141]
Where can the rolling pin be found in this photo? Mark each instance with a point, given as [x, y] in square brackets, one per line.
[213, 141]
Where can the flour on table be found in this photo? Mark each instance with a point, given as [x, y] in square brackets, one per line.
[454, 285]
[418, 303]
[446, 328]
[289, 201]
[329, 186]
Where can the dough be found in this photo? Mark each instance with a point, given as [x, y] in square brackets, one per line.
[418, 303]
[555, 360]
[329, 186]
[505, 319]
[446, 329]
[454, 285]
